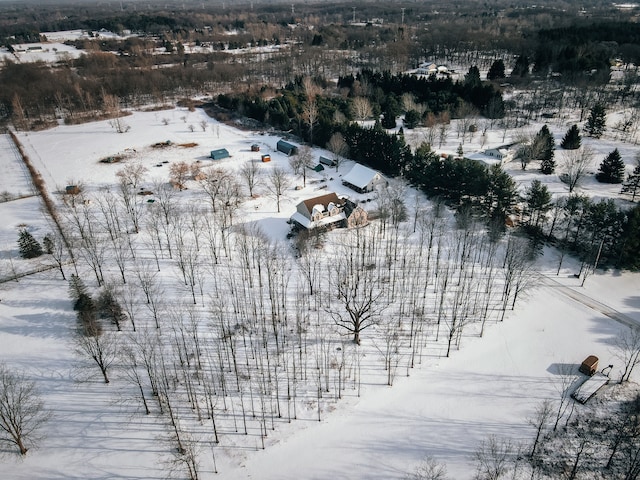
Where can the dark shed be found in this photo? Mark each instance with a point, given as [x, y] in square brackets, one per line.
[590, 365]
[219, 154]
[286, 148]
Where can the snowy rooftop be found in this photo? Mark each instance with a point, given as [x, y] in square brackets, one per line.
[360, 176]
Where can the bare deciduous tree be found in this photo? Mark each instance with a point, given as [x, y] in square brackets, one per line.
[213, 184]
[22, 412]
[361, 108]
[278, 183]
[566, 377]
[429, 469]
[132, 173]
[179, 173]
[492, 459]
[355, 282]
[576, 163]
[310, 114]
[250, 173]
[539, 421]
[119, 125]
[627, 350]
[338, 146]
[101, 347]
[58, 251]
[300, 162]
[132, 365]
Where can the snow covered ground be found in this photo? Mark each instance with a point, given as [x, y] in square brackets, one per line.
[444, 408]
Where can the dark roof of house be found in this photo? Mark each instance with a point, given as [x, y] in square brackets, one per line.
[323, 200]
[349, 207]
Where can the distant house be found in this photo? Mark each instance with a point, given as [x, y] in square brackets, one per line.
[219, 154]
[363, 179]
[72, 189]
[490, 156]
[328, 211]
[286, 148]
[426, 68]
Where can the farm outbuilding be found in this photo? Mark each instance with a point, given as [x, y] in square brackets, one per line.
[266, 158]
[327, 161]
[286, 148]
[589, 366]
[219, 154]
[363, 179]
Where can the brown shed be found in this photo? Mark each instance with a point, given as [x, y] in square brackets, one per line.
[590, 365]
[266, 158]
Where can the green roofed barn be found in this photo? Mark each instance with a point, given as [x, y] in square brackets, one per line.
[286, 148]
[219, 154]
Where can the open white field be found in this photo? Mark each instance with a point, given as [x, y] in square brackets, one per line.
[15, 176]
[445, 407]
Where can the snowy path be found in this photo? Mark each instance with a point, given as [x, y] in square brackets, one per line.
[588, 301]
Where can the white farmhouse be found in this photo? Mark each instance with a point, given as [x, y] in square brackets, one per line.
[490, 156]
[363, 179]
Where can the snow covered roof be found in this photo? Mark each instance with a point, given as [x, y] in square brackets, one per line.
[309, 224]
[360, 176]
[484, 158]
[323, 201]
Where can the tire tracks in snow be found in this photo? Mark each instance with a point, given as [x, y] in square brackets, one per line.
[589, 302]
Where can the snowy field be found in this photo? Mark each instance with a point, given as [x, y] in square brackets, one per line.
[445, 407]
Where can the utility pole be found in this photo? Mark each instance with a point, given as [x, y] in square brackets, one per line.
[402, 16]
[354, 15]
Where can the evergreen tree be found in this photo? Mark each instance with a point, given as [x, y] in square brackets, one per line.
[388, 120]
[85, 306]
[109, 308]
[572, 139]
[548, 166]
[472, 78]
[29, 246]
[544, 144]
[391, 111]
[496, 70]
[538, 200]
[460, 150]
[411, 119]
[78, 292]
[632, 185]
[630, 245]
[48, 244]
[611, 169]
[596, 121]
[521, 68]
[501, 195]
